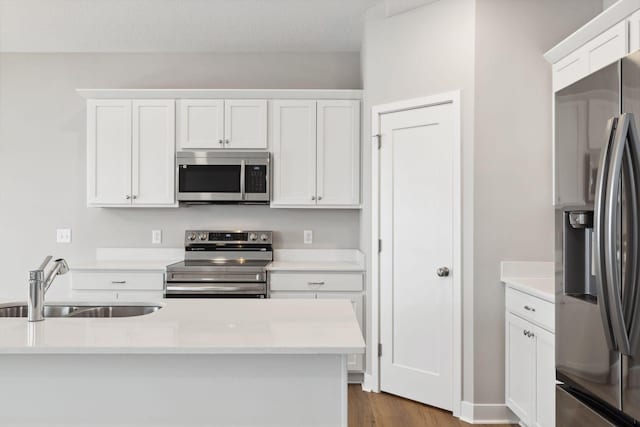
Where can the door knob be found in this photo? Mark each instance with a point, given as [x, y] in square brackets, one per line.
[442, 272]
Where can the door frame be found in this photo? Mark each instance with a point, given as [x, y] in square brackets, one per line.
[372, 381]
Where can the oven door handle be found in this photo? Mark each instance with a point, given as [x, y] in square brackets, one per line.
[219, 278]
[213, 289]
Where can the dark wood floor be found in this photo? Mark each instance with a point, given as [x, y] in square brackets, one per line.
[386, 410]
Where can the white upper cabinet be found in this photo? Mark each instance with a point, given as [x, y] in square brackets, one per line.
[245, 124]
[599, 52]
[338, 153]
[153, 152]
[207, 124]
[130, 153]
[316, 154]
[201, 124]
[294, 153]
[108, 152]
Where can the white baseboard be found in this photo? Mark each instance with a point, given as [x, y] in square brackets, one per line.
[368, 384]
[486, 413]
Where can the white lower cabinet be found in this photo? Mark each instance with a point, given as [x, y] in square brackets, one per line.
[323, 285]
[117, 285]
[529, 361]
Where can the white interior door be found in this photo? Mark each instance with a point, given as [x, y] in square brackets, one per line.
[416, 229]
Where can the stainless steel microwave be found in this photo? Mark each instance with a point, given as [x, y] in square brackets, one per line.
[223, 177]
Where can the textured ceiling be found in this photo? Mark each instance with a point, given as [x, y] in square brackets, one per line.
[181, 25]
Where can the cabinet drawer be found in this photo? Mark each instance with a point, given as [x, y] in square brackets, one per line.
[88, 295]
[117, 280]
[531, 308]
[316, 282]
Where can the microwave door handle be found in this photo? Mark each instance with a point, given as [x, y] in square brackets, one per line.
[612, 213]
[242, 183]
[598, 234]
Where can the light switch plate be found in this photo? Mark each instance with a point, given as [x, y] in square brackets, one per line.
[308, 237]
[156, 237]
[63, 235]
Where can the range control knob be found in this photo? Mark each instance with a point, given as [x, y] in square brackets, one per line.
[203, 236]
[264, 237]
[191, 236]
[253, 237]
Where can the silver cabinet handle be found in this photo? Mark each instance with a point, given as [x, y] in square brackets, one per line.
[127, 197]
[313, 197]
[316, 283]
[442, 272]
[319, 197]
[220, 142]
[526, 307]
[118, 282]
[134, 197]
[226, 141]
[524, 333]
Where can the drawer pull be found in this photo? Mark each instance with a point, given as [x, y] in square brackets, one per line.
[316, 283]
[118, 282]
[526, 307]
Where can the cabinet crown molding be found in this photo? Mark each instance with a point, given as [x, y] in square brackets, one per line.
[314, 94]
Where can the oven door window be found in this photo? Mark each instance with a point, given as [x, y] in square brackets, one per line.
[209, 178]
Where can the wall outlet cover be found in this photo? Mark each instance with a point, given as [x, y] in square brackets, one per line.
[156, 237]
[63, 235]
[308, 237]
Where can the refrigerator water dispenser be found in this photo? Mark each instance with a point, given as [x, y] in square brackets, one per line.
[579, 275]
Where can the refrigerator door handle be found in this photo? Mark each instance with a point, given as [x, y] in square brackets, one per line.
[633, 266]
[611, 215]
[599, 240]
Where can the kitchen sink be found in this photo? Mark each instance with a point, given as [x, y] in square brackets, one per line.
[80, 310]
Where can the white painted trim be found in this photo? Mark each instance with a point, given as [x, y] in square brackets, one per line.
[220, 93]
[372, 379]
[486, 413]
[607, 19]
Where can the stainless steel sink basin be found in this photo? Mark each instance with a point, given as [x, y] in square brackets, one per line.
[101, 311]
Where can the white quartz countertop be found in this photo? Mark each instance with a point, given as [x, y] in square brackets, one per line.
[317, 260]
[208, 326]
[533, 278]
[140, 265]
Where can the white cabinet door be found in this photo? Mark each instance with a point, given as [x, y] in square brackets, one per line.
[294, 153]
[545, 379]
[338, 153]
[634, 31]
[355, 362]
[520, 368]
[108, 152]
[245, 124]
[607, 47]
[201, 124]
[153, 151]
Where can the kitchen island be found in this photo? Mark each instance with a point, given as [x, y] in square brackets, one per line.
[213, 362]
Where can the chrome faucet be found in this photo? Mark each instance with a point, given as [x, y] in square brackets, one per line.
[39, 285]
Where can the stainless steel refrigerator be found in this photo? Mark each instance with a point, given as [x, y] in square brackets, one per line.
[597, 199]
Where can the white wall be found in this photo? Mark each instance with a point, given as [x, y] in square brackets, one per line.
[514, 219]
[42, 153]
[421, 52]
[492, 51]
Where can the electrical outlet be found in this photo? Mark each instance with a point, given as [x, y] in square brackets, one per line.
[156, 237]
[308, 237]
[63, 235]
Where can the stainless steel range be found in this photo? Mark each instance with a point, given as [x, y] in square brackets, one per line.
[221, 264]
